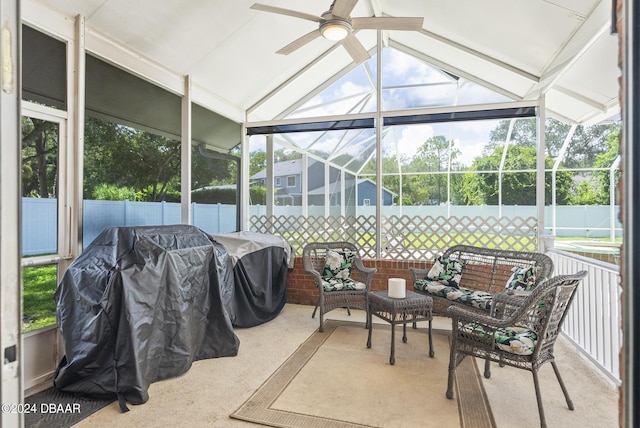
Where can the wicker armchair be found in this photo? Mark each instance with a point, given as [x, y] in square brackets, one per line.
[524, 338]
[348, 288]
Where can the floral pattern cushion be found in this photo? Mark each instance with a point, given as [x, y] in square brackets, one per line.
[477, 299]
[516, 340]
[335, 284]
[446, 271]
[338, 264]
[336, 274]
[522, 279]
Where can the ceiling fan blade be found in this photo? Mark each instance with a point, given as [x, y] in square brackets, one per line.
[355, 49]
[288, 12]
[299, 42]
[343, 8]
[387, 23]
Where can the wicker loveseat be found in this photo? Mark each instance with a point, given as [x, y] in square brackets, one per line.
[471, 276]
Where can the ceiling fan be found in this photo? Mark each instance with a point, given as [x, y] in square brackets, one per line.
[336, 25]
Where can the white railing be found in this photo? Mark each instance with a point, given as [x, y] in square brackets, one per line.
[594, 321]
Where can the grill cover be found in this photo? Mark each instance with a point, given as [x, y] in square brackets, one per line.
[139, 305]
[260, 267]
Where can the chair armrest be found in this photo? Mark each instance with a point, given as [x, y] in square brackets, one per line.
[417, 273]
[317, 277]
[507, 302]
[366, 274]
[458, 314]
[367, 270]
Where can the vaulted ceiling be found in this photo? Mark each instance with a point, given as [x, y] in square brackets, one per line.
[563, 49]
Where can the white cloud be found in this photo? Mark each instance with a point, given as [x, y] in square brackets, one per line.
[469, 140]
[469, 152]
[412, 137]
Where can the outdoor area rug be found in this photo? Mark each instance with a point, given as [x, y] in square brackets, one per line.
[55, 409]
[334, 380]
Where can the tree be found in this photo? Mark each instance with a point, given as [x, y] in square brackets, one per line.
[282, 155]
[424, 175]
[109, 192]
[433, 158]
[584, 194]
[595, 190]
[605, 160]
[587, 141]
[39, 158]
[124, 157]
[211, 169]
[518, 187]
[592, 146]
[257, 162]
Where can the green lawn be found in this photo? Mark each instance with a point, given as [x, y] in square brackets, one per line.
[582, 238]
[39, 308]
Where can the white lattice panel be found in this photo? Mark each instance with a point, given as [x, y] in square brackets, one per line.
[417, 237]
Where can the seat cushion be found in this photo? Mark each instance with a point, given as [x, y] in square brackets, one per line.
[447, 271]
[336, 284]
[522, 279]
[515, 340]
[477, 299]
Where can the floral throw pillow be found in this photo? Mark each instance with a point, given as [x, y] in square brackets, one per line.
[338, 264]
[446, 271]
[522, 279]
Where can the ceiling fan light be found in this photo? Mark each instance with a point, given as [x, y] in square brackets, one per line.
[335, 30]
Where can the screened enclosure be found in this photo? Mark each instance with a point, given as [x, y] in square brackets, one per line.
[465, 130]
[450, 161]
[424, 144]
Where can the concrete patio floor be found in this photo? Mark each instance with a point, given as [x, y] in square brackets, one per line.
[213, 389]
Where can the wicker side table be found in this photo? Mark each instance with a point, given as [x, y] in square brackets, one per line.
[414, 307]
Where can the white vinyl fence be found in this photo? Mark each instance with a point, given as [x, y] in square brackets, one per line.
[39, 218]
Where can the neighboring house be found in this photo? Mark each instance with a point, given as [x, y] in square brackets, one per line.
[367, 193]
[288, 185]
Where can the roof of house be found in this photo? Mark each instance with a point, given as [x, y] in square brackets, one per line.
[284, 168]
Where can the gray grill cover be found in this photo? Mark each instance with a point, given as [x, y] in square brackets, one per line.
[139, 305]
[260, 266]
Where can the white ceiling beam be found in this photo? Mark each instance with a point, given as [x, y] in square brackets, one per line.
[117, 54]
[580, 97]
[299, 102]
[301, 71]
[598, 21]
[376, 5]
[560, 117]
[611, 113]
[47, 20]
[480, 55]
[202, 96]
[596, 24]
[551, 77]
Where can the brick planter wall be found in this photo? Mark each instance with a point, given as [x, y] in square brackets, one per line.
[300, 288]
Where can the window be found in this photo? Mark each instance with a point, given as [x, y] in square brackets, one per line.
[278, 182]
[291, 181]
[366, 202]
[41, 242]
